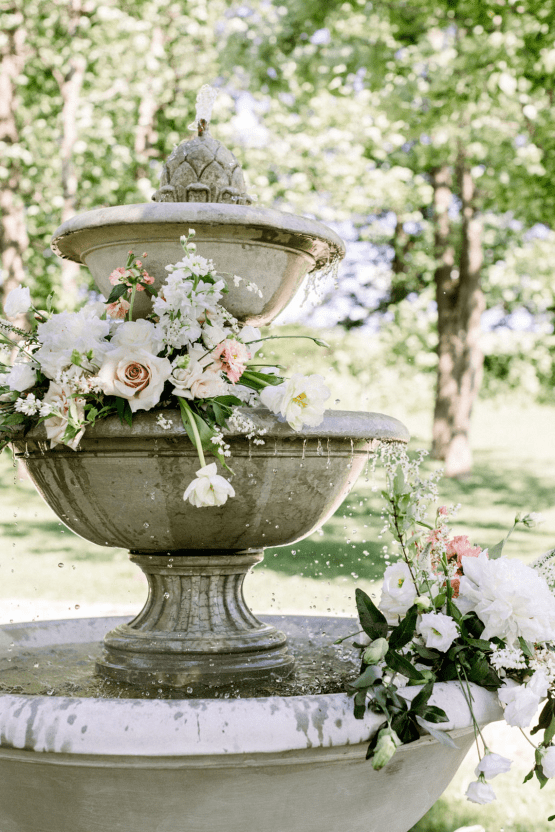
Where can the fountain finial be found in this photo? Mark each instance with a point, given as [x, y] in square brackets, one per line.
[201, 169]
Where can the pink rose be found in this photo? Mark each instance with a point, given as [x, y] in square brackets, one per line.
[135, 375]
[232, 355]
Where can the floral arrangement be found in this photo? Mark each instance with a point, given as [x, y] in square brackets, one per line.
[451, 611]
[73, 368]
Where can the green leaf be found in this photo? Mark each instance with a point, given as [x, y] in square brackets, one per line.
[479, 643]
[441, 736]
[525, 647]
[434, 714]
[402, 665]
[372, 620]
[404, 631]
[367, 679]
[454, 611]
[360, 704]
[426, 652]
[258, 381]
[117, 292]
[496, 551]
[529, 777]
[546, 715]
[124, 411]
[421, 698]
[404, 726]
[549, 732]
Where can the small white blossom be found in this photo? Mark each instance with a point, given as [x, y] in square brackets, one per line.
[548, 762]
[480, 792]
[162, 422]
[29, 405]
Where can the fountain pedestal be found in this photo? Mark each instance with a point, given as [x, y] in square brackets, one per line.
[195, 627]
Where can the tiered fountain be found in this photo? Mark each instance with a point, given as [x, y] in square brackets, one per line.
[170, 762]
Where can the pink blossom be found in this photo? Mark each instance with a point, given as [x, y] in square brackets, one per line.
[147, 278]
[443, 511]
[118, 309]
[232, 356]
[116, 276]
[460, 547]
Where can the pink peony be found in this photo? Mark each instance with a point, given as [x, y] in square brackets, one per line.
[232, 356]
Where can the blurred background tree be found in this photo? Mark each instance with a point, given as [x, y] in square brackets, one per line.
[423, 131]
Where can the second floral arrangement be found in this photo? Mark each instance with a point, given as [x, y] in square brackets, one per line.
[73, 368]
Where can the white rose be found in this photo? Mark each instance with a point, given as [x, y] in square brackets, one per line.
[548, 762]
[213, 334]
[18, 302]
[68, 409]
[439, 630]
[479, 792]
[138, 335]
[300, 400]
[511, 599]
[521, 704]
[21, 377]
[135, 375]
[491, 765]
[197, 382]
[398, 591]
[209, 488]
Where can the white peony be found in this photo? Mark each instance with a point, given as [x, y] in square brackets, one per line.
[135, 375]
[479, 792]
[65, 332]
[548, 762]
[492, 764]
[209, 488]
[300, 400]
[18, 302]
[138, 334]
[398, 591]
[511, 599]
[521, 704]
[439, 630]
[21, 377]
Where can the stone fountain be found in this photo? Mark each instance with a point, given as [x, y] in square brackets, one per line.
[171, 762]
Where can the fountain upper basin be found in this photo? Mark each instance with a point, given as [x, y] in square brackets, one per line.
[272, 249]
[284, 488]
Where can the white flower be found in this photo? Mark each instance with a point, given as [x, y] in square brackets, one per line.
[439, 630]
[209, 488]
[548, 762]
[29, 405]
[213, 334]
[398, 590]
[480, 792]
[491, 765]
[511, 599]
[250, 335]
[197, 381]
[301, 400]
[59, 400]
[521, 704]
[18, 302]
[134, 374]
[141, 334]
[21, 377]
[67, 332]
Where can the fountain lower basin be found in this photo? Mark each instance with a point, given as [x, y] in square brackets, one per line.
[272, 763]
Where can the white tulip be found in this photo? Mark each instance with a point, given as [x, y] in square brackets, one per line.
[209, 488]
[492, 764]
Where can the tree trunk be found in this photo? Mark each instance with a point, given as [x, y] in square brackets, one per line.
[460, 303]
[70, 85]
[13, 232]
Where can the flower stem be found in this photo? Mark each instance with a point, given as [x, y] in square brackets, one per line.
[131, 302]
[187, 413]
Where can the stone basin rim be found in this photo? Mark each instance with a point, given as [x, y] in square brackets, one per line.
[194, 727]
[208, 215]
[337, 424]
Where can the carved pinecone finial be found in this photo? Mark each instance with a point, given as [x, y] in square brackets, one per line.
[201, 169]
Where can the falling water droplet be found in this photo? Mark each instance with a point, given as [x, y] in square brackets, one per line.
[60, 565]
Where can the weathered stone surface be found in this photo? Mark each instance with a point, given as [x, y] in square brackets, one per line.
[201, 169]
[269, 248]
